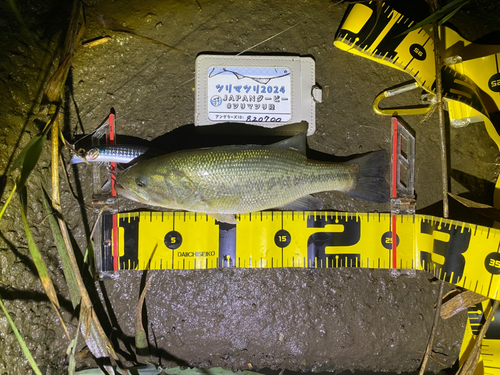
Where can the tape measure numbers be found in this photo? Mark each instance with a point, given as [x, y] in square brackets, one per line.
[471, 82]
[471, 87]
[414, 53]
[463, 254]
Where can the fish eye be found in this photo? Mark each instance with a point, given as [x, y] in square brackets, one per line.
[140, 182]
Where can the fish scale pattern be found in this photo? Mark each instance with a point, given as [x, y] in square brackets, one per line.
[232, 180]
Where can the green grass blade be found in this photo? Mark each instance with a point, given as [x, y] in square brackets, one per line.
[24, 348]
[69, 275]
[95, 337]
[454, 4]
[446, 18]
[28, 158]
[436, 16]
[16, 11]
[7, 201]
[24, 29]
[72, 348]
[40, 265]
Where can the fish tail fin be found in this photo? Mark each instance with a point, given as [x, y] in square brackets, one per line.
[371, 183]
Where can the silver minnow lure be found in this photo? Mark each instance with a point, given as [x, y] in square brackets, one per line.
[111, 153]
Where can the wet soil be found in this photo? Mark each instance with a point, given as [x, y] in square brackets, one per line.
[300, 320]
[295, 319]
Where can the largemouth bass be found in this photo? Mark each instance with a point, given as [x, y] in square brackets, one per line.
[228, 180]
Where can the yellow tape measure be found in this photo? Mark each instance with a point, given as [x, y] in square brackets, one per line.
[471, 87]
[383, 41]
[463, 254]
[471, 81]
[489, 362]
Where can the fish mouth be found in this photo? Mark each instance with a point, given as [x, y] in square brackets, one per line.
[120, 190]
[118, 187]
[124, 192]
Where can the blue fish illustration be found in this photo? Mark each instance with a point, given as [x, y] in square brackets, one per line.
[260, 75]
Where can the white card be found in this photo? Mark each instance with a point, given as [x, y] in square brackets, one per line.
[268, 91]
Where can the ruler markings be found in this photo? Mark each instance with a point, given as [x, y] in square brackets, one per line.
[414, 243]
[406, 66]
[489, 285]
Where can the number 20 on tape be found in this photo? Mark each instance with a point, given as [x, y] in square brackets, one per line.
[463, 254]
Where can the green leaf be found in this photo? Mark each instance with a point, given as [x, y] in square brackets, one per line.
[25, 349]
[69, 275]
[446, 18]
[444, 12]
[16, 12]
[28, 158]
[20, 158]
[72, 348]
[40, 265]
[35, 253]
[8, 201]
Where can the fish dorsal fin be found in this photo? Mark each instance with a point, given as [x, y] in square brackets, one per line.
[296, 143]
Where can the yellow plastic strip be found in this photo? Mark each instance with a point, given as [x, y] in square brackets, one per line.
[463, 254]
[471, 85]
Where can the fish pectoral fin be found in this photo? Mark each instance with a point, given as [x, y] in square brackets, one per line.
[224, 218]
[307, 203]
[187, 185]
[185, 190]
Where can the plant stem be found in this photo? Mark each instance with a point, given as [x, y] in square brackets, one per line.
[439, 97]
[55, 163]
[430, 344]
[8, 200]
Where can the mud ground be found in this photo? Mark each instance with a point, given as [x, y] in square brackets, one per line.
[300, 320]
[296, 319]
